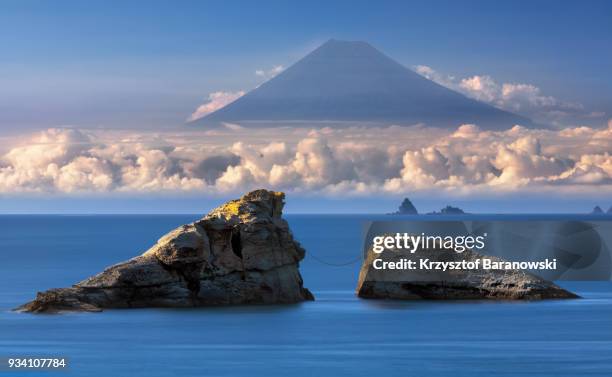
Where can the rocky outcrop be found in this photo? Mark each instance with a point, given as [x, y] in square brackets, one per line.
[597, 211]
[242, 252]
[451, 284]
[448, 210]
[406, 208]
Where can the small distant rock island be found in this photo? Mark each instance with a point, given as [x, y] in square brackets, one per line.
[407, 208]
[242, 252]
[448, 210]
[458, 284]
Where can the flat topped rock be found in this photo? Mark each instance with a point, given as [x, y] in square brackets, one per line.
[455, 284]
[242, 252]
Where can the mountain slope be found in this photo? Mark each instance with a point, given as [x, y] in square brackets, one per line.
[353, 82]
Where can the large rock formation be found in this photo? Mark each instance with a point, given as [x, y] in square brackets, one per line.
[241, 253]
[450, 284]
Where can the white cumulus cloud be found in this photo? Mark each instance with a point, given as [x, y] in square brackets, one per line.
[217, 100]
[214, 102]
[361, 161]
[520, 98]
[269, 73]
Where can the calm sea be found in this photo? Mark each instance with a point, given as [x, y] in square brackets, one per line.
[338, 335]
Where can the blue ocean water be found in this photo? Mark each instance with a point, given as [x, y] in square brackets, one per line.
[338, 335]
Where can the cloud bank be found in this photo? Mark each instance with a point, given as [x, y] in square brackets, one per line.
[520, 98]
[353, 161]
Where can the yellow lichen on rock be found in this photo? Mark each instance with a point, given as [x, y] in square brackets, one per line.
[231, 208]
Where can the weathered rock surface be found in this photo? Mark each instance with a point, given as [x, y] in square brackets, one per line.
[451, 284]
[242, 252]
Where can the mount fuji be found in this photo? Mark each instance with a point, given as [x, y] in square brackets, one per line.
[344, 82]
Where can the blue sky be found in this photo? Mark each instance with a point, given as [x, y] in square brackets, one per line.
[150, 64]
